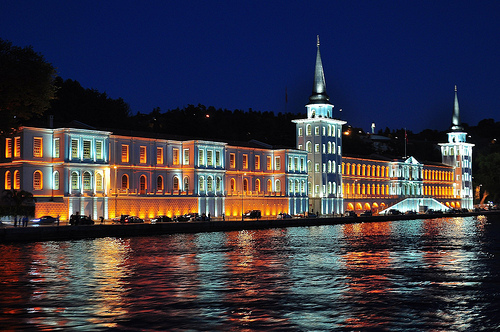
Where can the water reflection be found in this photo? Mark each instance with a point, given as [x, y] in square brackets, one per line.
[439, 274]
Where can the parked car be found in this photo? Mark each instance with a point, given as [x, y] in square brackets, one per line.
[367, 213]
[161, 219]
[284, 216]
[350, 214]
[394, 212]
[80, 220]
[254, 214]
[132, 220]
[44, 220]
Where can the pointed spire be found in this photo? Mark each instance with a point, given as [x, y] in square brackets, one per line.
[456, 125]
[319, 95]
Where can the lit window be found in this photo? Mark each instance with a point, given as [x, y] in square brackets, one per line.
[17, 147]
[269, 186]
[86, 181]
[98, 150]
[300, 147]
[74, 181]
[8, 181]
[176, 183]
[308, 130]
[324, 131]
[309, 169]
[269, 163]
[297, 186]
[37, 147]
[210, 158]
[186, 156]
[245, 161]
[257, 162]
[8, 148]
[57, 145]
[186, 184]
[210, 184]
[257, 185]
[324, 148]
[316, 167]
[324, 167]
[124, 153]
[277, 187]
[245, 185]
[232, 160]
[233, 185]
[98, 181]
[300, 131]
[86, 149]
[296, 163]
[309, 146]
[142, 155]
[201, 183]
[142, 185]
[290, 167]
[316, 131]
[124, 181]
[316, 147]
[17, 179]
[217, 158]
[316, 189]
[218, 183]
[201, 154]
[37, 180]
[159, 156]
[56, 180]
[175, 156]
[278, 163]
[74, 149]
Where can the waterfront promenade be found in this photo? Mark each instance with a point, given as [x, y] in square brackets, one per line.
[68, 232]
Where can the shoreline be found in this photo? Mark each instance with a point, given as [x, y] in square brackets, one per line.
[68, 232]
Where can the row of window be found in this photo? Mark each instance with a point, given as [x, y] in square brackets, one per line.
[365, 170]
[17, 147]
[327, 130]
[327, 148]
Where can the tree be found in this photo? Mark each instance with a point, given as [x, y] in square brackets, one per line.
[17, 202]
[487, 174]
[26, 85]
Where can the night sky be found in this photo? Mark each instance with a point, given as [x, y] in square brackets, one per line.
[394, 63]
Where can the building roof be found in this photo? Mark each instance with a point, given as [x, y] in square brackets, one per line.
[319, 95]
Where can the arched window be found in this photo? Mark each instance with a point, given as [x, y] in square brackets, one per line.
[218, 183]
[303, 186]
[159, 183]
[8, 181]
[17, 179]
[125, 182]
[329, 147]
[257, 185]
[290, 186]
[308, 146]
[142, 184]
[297, 186]
[86, 181]
[269, 186]
[329, 166]
[56, 180]
[245, 185]
[277, 186]
[201, 183]
[175, 185]
[75, 181]
[308, 130]
[37, 180]
[186, 184]
[309, 166]
[98, 181]
[232, 185]
[210, 184]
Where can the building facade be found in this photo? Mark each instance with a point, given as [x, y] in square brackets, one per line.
[101, 173]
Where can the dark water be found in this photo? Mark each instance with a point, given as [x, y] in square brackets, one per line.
[421, 275]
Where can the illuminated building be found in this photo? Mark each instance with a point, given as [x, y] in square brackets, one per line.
[99, 173]
[102, 173]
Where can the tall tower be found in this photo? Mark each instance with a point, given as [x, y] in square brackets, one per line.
[458, 153]
[321, 136]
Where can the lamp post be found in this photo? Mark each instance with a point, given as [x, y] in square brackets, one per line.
[242, 192]
[116, 193]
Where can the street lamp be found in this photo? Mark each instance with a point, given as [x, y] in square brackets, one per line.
[242, 191]
[116, 193]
